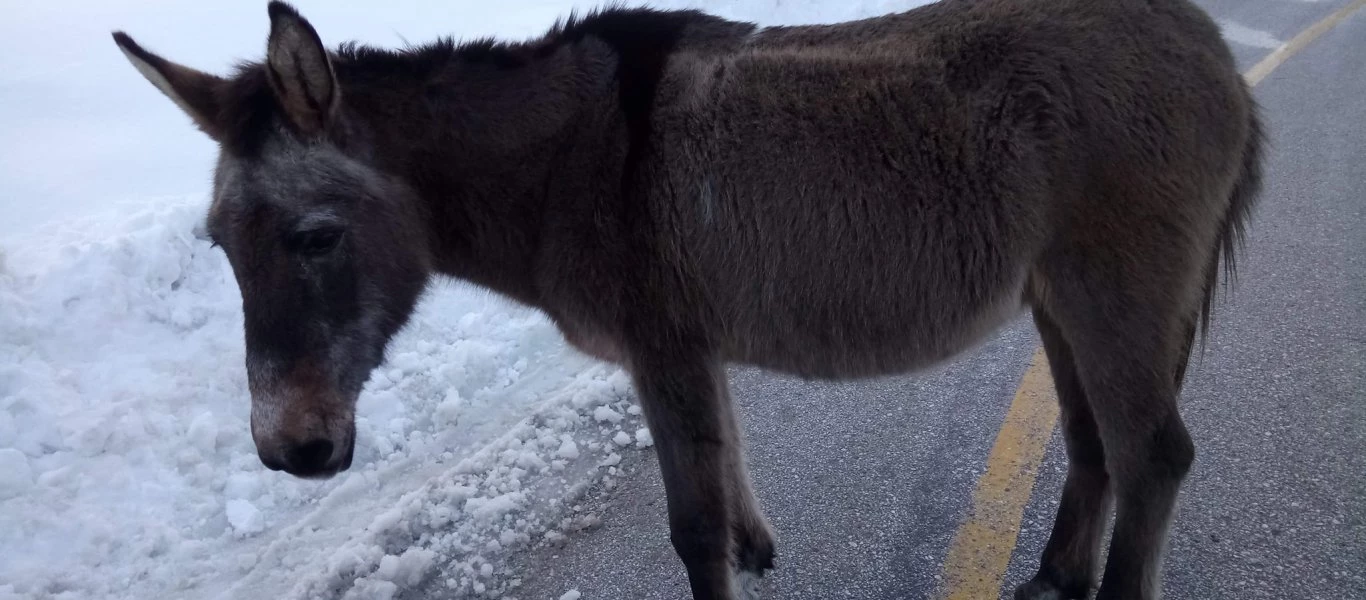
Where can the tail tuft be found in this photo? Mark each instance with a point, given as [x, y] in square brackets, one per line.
[1232, 231]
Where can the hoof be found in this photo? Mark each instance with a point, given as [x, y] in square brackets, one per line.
[1043, 589]
[746, 585]
[1038, 590]
[755, 555]
[754, 548]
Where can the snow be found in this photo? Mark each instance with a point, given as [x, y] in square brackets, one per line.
[571, 595]
[244, 517]
[568, 449]
[643, 438]
[410, 567]
[607, 415]
[16, 476]
[127, 468]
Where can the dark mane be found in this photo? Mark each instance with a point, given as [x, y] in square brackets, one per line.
[248, 106]
[610, 23]
[355, 58]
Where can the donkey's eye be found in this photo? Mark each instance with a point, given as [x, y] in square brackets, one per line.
[314, 242]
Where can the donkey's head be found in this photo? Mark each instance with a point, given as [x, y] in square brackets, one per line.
[327, 249]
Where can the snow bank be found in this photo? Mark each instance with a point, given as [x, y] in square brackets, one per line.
[127, 469]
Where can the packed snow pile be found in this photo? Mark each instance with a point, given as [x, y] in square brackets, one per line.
[127, 468]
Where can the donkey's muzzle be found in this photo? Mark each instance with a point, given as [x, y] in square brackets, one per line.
[301, 424]
[313, 459]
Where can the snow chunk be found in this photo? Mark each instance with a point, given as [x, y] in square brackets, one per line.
[203, 432]
[16, 476]
[571, 595]
[568, 449]
[612, 460]
[407, 569]
[370, 589]
[603, 414]
[448, 411]
[622, 438]
[489, 510]
[244, 517]
[643, 438]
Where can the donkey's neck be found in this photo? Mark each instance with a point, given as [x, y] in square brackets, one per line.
[485, 145]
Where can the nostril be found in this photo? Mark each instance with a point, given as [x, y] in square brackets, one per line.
[273, 465]
[311, 456]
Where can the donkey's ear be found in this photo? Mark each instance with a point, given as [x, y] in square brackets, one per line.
[194, 91]
[300, 72]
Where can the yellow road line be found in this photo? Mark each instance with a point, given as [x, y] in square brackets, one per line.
[980, 552]
[1263, 68]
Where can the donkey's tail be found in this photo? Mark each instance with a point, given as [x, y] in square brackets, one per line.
[1232, 232]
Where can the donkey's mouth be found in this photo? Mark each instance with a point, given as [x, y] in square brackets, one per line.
[329, 470]
[318, 459]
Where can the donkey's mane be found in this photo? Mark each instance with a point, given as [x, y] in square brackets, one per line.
[248, 107]
[609, 22]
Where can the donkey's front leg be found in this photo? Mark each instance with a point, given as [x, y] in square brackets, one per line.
[685, 404]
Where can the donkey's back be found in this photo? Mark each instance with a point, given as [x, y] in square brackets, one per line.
[869, 197]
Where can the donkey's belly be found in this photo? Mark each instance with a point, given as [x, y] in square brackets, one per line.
[867, 340]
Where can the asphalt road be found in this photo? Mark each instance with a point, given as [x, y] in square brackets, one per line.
[866, 483]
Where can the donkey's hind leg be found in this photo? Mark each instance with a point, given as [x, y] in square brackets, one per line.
[1068, 568]
[1127, 335]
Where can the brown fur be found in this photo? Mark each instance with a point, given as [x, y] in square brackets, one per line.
[678, 192]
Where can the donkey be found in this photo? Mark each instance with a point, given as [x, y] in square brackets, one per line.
[679, 192]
